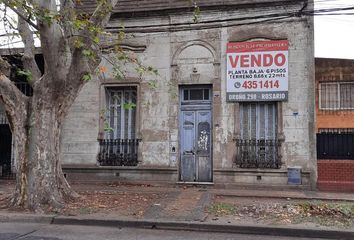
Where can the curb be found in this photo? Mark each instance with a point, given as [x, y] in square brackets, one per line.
[207, 227]
[181, 226]
[26, 218]
[285, 197]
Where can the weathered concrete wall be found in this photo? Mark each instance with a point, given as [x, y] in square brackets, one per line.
[80, 129]
[296, 121]
[178, 51]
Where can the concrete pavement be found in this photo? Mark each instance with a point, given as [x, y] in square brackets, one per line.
[290, 231]
[183, 208]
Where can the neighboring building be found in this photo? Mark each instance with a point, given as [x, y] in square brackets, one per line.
[233, 101]
[335, 123]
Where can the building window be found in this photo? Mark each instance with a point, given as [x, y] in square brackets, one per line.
[258, 144]
[121, 113]
[197, 94]
[336, 96]
[258, 121]
[120, 146]
[335, 143]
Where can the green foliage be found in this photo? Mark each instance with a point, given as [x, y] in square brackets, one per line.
[86, 35]
[77, 24]
[222, 209]
[129, 105]
[96, 39]
[106, 127]
[118, 73]
[88, 53]
[78, 43]
[26, 73]
[46, 17]
[315, 208]
[346, 209]
[87, 77]
[121, 34]
[153, 84]
[196, 14]
[141, 70]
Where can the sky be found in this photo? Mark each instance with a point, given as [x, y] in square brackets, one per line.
[334, 35]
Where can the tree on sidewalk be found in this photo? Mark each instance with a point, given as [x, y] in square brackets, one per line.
[69, 43]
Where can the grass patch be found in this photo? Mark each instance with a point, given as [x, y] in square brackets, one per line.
[85, 210]
[346, 209]
[326, 209]
[222, 209]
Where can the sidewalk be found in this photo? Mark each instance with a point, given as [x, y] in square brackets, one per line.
[248, 211]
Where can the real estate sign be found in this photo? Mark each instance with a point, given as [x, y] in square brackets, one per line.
[257, 71]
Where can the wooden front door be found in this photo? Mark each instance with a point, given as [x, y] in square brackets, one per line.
[195, 135]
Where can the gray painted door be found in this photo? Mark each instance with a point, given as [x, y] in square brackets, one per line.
[196, 145]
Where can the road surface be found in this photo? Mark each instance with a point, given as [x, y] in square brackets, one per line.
[32, 231]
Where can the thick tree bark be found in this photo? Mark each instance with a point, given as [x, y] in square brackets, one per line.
[40, 182]
[36, 121]
[44, 176]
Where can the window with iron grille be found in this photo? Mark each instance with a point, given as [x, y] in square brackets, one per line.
[335, 143]
[258, 121]
[336, 96]
[258, 144]
[121, 113]
[120, 146]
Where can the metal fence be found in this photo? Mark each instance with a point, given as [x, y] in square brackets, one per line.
[334, 145]
[258, 153]
[118, 152]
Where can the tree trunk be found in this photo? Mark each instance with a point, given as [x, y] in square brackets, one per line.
[40, 184]
[36, 121]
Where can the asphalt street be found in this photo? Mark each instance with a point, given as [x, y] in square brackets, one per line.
[32, 231]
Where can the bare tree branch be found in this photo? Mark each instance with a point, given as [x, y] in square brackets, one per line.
[67, 11]
[55, 47]
[75, 80]
[10, 95]
[5, 67]
[99, 18]
[103, 12]
[20, 14]
[28, 57]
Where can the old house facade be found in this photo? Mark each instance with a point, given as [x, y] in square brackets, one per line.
[211, 114]
[335, 125]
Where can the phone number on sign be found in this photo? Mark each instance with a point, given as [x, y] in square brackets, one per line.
[259, 84]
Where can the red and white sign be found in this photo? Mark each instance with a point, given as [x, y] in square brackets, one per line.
[257, 71]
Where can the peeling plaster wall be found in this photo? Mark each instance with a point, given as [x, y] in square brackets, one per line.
[297, 125]
[80, 129]
[175, 53]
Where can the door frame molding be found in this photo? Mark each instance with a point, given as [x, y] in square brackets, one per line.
[194, 106]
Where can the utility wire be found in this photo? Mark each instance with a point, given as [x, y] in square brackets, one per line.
[290, 14]
[337, 11]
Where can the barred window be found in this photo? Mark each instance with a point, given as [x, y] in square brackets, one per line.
[336, 96]
[258, 146]
[121, 113]
[258, 121]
